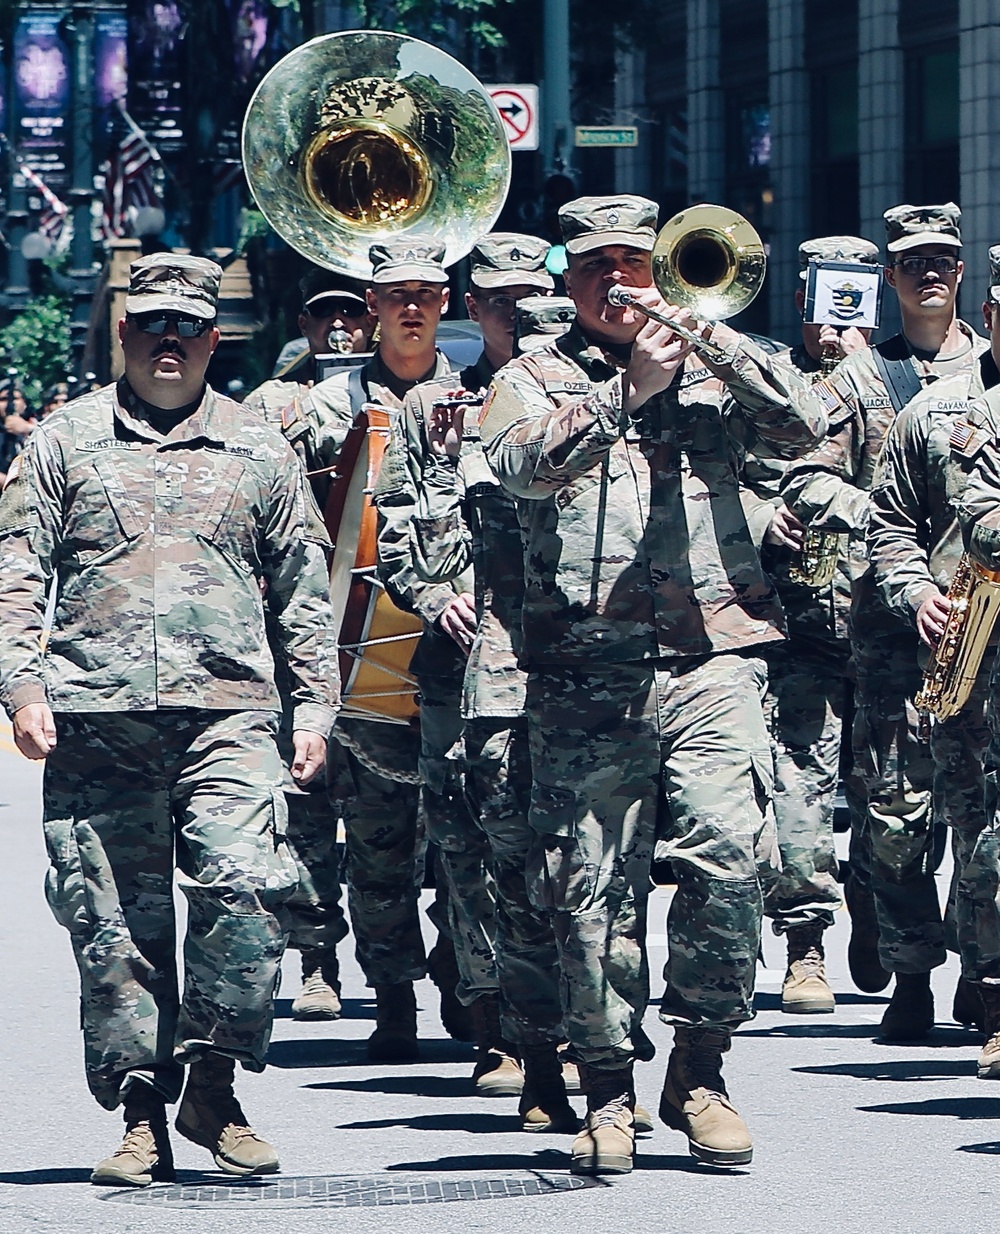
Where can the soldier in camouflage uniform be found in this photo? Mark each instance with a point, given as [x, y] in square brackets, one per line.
[828, 491]
[330, 304]
[418, 489]
[644, 607]
[810, 690]
[162, 513]
[373, 769]
[914, 543]
[332, 307]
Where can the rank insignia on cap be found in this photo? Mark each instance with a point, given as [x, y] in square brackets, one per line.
[613, 217]
[962, 433]
[515, 254]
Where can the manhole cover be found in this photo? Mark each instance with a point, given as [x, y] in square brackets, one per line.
[340, 1191]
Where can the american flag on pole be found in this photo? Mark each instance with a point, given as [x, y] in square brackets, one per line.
[131, 177]
[54, 211]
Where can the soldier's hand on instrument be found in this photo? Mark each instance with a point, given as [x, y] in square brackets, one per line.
[309, 755]
[657, 355]
[786, 530]
[845, 341]
[444, 428]
[35, 730]
[459, 620]
[932, 617]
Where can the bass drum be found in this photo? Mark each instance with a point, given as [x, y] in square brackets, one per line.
[376, 640]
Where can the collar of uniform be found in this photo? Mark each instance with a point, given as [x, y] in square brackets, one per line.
[375, 373]
[598, 364]
[198, 426]
[802, 360]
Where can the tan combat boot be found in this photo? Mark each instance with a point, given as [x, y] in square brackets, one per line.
[544, 1105]
[805, 990]
[606, 1145]
[395, 1037]
[988, 1067]
[497, 1072]
[695, 1100]
[144, 1156]
[319, 998]
[211, 1116]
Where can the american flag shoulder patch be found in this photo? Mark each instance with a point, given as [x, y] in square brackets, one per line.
[13, 471]
[290, 414]
[829, 395]
[962, 433]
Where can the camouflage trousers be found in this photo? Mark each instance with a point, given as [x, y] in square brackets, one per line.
[626, 760]
[129, 797]
[808, 701]
[965, 797]
[462, 845]
[386, 847]
[498, 789]
[315, 917]
[893, 848]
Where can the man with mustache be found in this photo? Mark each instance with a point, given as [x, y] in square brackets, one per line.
[385, 837]
[161, 514]
[829, 491]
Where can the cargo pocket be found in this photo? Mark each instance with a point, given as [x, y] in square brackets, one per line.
[282, 875]
[767, 853]
[558, 874]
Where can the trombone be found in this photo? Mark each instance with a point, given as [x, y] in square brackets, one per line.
[708, 259]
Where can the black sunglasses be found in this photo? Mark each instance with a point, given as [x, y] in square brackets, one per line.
[332, 307]
[915, 266]
[156, 323]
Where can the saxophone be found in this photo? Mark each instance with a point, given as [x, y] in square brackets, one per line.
[816, 563]
[975, 602]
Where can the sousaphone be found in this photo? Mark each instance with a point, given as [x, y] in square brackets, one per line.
[351, 140]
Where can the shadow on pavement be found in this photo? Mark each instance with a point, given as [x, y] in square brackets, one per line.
[413, 1084]
[350, 1052]
[963, 1108]
[910, 1070]
[828, 1028]
[353, 1009]
[767, 1000]
[478, 1124]
[545, 1159]
[41, 1178]
[990, 1148]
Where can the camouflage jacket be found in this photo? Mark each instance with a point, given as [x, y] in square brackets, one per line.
[914, 541]
[453, 523]
[317, 423]
[160, 550]
[272, 397]
[812, 613]
[978, 508]
[409, 472]
[828, 489]
[636, 544]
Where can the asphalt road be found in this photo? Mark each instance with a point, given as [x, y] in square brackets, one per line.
[849, 1135]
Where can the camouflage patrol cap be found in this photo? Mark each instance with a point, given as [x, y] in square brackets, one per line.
[540, 319]
[412, 257]
[906, 227]
[508, 259]
[837, 248]
[321, 284]
[592, 222]
[995, 273]
[174, 283]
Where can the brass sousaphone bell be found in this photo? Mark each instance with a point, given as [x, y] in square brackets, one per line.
[708, 259]
[363, 136]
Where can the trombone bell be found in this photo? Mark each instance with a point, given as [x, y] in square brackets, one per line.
[710, 260]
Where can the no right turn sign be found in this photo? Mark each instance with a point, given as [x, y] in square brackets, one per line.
[518, 108]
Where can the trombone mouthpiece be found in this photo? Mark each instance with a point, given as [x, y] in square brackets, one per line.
[619, 297]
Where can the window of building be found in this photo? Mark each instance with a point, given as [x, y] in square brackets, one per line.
[834, 114]
[931, 171]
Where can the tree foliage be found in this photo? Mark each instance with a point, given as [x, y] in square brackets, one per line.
[37, 344]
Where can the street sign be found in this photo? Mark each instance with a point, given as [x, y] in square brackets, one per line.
[518, 108]
[605, 135]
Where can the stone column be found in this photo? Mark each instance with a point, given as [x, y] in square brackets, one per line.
[979, 151]
[790, 158]
[880, 126]
[706, 129]
[632, 173]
